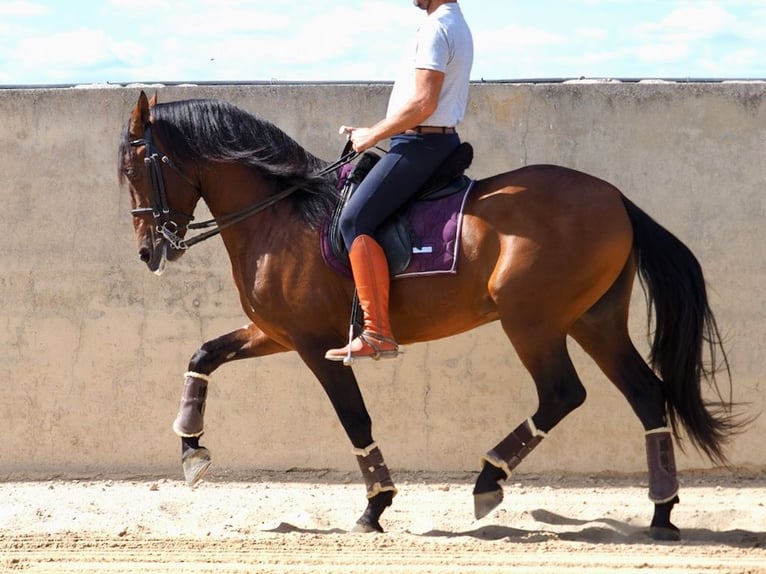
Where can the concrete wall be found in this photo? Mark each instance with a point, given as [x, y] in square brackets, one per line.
[93, 347]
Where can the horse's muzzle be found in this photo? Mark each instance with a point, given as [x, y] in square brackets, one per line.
[145, 254]
[156, 256]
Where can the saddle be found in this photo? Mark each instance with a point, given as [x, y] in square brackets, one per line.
[396, 235]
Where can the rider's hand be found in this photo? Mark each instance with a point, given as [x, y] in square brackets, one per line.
[362, 139]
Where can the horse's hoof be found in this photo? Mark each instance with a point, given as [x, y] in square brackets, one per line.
[486, 502]
[365, 527]
[195, 464]
[665, 534]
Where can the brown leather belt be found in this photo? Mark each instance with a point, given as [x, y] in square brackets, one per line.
[431, 130]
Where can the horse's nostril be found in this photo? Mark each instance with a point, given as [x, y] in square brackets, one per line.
[144, 254]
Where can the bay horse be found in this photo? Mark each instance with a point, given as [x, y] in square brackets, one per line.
[548, 251]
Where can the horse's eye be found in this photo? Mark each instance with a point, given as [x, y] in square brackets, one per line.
[130, 172]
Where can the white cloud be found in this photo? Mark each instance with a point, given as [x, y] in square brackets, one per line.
[590, 34]
[245, 41]
[22, 9]
[705, 39]
[662, 52]
[82, 50]
[45, 41]
[695, 21]
[14, 16]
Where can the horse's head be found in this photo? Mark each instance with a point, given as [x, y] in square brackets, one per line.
[162, 196]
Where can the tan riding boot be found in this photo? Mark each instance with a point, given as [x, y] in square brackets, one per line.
[371, 276]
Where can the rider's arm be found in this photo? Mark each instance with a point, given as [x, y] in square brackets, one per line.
[428, 86]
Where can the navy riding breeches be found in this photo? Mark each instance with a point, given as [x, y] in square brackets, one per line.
[410, 161]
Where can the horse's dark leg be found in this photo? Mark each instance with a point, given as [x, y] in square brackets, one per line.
[643, 390]
[603, 334]
[380, 487]
[343, 391]
[189, 425]
[243, 343]
[663, 483]
[559, 392]
[661, 527]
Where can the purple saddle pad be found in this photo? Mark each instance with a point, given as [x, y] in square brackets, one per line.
[436, 225]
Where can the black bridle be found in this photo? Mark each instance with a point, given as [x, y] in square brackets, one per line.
[163, 214]
[160, 208]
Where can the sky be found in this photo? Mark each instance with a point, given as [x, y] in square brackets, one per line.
[53, 42]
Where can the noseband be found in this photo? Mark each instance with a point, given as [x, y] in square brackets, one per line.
[163, 213]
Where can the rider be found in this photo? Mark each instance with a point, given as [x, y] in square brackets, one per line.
[426, 103]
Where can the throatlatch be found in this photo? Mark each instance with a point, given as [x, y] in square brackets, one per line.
[661, 460]
[510, 451]
[190, 418]
[377, 477]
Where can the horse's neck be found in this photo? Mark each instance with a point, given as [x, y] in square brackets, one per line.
[231, 188]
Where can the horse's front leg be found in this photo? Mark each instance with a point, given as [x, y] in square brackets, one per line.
[341, 387]
[244, 343]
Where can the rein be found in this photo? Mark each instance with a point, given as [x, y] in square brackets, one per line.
[162, 212]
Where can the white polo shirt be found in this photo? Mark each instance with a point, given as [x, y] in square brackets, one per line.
[443, 43]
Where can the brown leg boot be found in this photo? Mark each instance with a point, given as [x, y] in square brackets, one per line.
[371, 276]
[190, 418]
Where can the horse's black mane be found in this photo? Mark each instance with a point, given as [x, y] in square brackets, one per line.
[204, 129]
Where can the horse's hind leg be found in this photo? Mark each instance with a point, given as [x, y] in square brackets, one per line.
[559, 392]
[243, 343]
[603, 333]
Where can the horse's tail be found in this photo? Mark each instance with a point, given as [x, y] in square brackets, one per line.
[674, 287]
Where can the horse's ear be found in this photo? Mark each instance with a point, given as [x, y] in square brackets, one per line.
[153, 100]
[140, 115]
